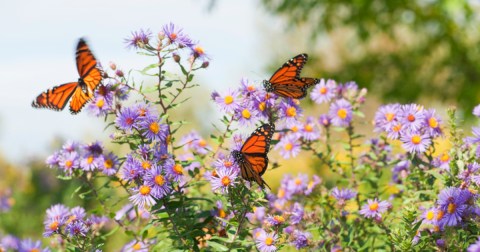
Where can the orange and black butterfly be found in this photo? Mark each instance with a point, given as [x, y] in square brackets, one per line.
[252, 157]
[286, 81]
[80, 92]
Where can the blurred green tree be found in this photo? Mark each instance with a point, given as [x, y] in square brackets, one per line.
[402, 50]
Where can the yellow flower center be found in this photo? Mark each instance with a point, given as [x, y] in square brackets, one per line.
[269, 241]
[228, 99]
[90, 159]
[225, 181]
[137, 246]
[432, 122]
[444, 158]
[202, 143]
[142, 111]
[145, 190]
[178, 169]
[222, 213]
[439, 215]
[288, 146]
[54, 226]
[279, 218]
[172, 36]
[159, 180]
[108, 163]
[397, 127]
[251, 88]
[430, 215]
[154, 127]
[342, 113]
[323, 90]
[389, 116]
[262, 106]
[291, 112]
[294, 129]
[34, 250]
[100, 103]
[281, 193]
[373, 206]
[146, 165]
[411, 118]
[308, 128]
[227, 164]
[199, 50]
[451, 208]
[69, 164]
[298, 181]
[246, 114]
[416, 139]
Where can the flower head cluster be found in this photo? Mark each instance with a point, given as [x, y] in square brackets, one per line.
[225, 173]
[86, 157]
[105, 97]
[290, 187]
[415, 126]
[72, 222]
[374, 208]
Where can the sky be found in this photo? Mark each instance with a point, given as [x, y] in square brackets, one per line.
[37, 52]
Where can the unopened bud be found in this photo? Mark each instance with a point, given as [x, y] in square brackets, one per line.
[113, 66]
[176, 57]
[205, 64]
[119, 73]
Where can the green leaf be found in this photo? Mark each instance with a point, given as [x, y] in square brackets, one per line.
[217, 246]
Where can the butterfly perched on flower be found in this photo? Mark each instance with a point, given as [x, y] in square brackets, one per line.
[286, 81]
[79, 92]
[252, 157]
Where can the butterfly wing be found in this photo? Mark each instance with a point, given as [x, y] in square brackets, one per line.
[296, 88]
[79, 99]
[290, 70]
[57, 97]
[254, 154]
[87, 66]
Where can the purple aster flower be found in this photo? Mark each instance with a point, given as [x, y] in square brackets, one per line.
[341, 113]
[395, 130]
[386, 117]
[57, 212]
[225, 179]
[298, 184]
[99, 106]
[374, 208]
[415, 142]
[300, 239]
[476, 111]
[401, 171]
[172, 170]
[142, 196]
[226, 162]
[70, 146]
[193, 141]
[53, 161]
[442, 161]
[69, 161]
[126, 119]
[432, 123]
[452, 201]
[466, 174]
[474, 247]
[247, 88]
[52, 226]
[289, 146]
[145, 111]
[412, 116]
[296, 213]
[290, 111]
[312, 184]
[77, 213]
[257, 216]
[476, 136]
[197, 52]
[324, 91]
[228, 101]
[153, 129]
[246, 114]
[135, 246]
[138, 39]
[10, 242]
[429, 216]
[90, 162]
[175, 35]
[266, 241]
[325, 120]
[342, 195]
[348, 90]
[275, 220]
[309, 130]
[109, 164]
[132, 168]
[77, 228]
[29, 245]
[158, 182]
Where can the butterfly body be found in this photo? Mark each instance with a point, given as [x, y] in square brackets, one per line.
[252, 157]
[286, 81]
[80, 92]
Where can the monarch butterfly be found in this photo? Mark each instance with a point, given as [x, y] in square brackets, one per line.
[252, 157]
[286, 81]
[81, 91]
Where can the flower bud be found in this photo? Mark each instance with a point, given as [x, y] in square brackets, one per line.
[119, 73]
[205, 64]
[113, 66]
[176, 57]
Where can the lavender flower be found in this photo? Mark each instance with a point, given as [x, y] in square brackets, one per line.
[415, 142]
[289, 146]
[142, 196]
[474, 247]
[153, 129]
[386, 117]
[110, 163]
[173, 171]
[412, 116]
[312, 184]
[158, 182]
[175, 35]
[138, 39]
[246, 114]
[76, 228]
[290, 111]
[228, 101]
[374, 208]
[296, 213]
[126, 119]
[432, 123]
[266, 241]
[341, 113]
[309, 131]
[342, 195]
[225, 179]
[476, 111]
[300, 239]
[29, 245]
[452, 201]
[324, 91]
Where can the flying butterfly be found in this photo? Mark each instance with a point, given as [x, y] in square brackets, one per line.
[252, 157]
[80, 92]
[286, 81]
